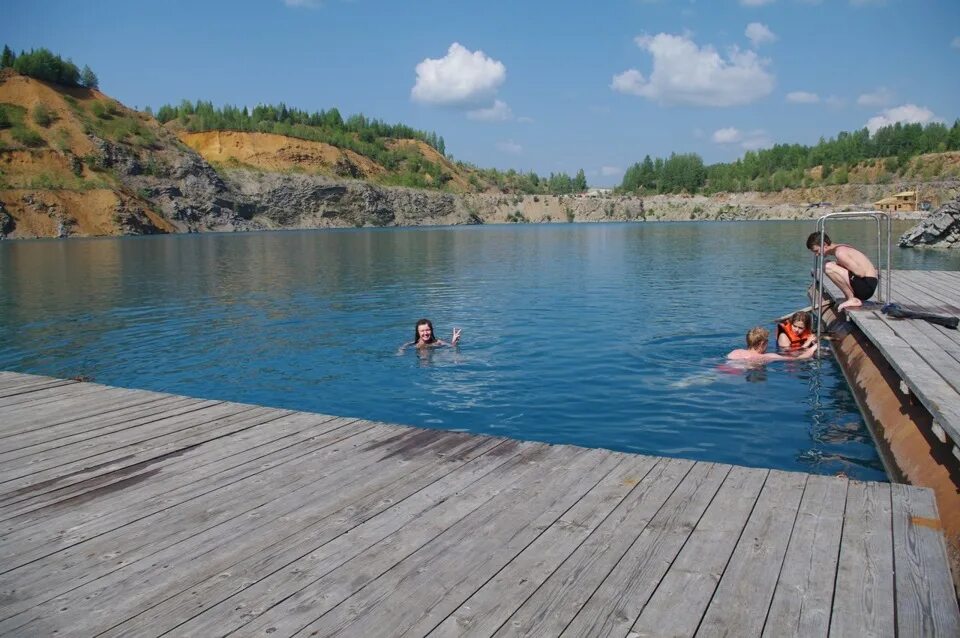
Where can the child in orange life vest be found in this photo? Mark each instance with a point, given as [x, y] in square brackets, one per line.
[795, 332]
[756, 350]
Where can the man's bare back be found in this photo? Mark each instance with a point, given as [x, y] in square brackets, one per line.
[854, 260]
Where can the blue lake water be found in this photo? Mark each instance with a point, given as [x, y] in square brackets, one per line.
[606, 335]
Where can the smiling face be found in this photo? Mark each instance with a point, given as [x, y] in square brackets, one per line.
[424, 332]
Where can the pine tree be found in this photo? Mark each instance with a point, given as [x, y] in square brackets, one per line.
[88, 78]
[8, 58]
[580, 182]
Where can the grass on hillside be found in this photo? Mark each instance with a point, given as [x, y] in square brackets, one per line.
[13, 119]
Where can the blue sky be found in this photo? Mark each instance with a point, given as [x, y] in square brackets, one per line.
[530, 84]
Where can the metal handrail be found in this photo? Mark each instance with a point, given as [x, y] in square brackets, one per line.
[819, 258]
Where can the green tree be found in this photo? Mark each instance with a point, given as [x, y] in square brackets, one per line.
[44, 65]
[88, 78]
[8, 58]
[580, 182]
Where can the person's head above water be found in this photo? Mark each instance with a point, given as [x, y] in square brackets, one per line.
[423, 332]
[758, 338]
[800, 321]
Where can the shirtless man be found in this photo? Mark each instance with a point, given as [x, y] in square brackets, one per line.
[756, 350]
[853, 272]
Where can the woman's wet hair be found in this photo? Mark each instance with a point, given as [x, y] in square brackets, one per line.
[416, 331]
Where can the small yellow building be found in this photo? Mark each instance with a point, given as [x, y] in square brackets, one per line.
[905, 201]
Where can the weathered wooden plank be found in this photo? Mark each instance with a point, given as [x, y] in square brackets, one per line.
[746, 588]
[678, 604]
[158, 428]
[47, 399]
[137, 587]
[49, 438]
[115, 490]
[551, 607]
[11, 379]
[804, 592]
[19, 387]
[118, 508]
[220, 517]
[194, 426]
[926, 602]
[292, 600]
[863, 602]
[491, 605]
[450, 567]
[68, 412]
[616, 604]
[932, 390]
[294, 561]
[939, 361]
[941, 299]
[239, 488]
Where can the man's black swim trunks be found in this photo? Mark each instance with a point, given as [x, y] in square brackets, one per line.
[863, 287]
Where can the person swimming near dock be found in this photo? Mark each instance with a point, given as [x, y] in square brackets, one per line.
[795, 332]
[424, 337]
[852, 272]
[756, 351]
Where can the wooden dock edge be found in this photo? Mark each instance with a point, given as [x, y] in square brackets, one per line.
[902, 428]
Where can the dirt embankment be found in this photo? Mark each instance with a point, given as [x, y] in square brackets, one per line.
[269, 152]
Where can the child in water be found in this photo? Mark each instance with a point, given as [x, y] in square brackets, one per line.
[756, 350]
[423, 336]
[795, 332]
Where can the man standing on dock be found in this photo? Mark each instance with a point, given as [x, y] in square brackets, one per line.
[853, 272]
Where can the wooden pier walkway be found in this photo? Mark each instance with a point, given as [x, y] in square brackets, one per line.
[926, 356]
[133, 513]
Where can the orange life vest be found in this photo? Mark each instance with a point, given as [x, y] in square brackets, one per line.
[796, 340]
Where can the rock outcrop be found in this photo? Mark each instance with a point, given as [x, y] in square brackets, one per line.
[940, 229]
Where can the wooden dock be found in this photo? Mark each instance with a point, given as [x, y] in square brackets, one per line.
[926, 356]
[133, 513]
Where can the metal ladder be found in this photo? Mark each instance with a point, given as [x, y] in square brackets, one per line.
[877, 216]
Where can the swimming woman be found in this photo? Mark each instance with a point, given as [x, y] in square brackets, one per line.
[423, 336]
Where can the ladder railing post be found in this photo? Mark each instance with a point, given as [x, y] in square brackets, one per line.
[882, 291]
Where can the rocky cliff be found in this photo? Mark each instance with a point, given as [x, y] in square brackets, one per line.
[75, 162]
[940, 229]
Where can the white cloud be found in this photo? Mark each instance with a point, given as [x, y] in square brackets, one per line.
[880, 97]
[835, 101]
[863, 3]
[907, 113]
[684, 73]
[750, 140]
[310, 4]
[755, 3]
[802, 97]
[509, 146]
[610, 171]
[524, 119]
[499, 112]
[755, 139]
[759, 33]
[460, 78]
[955, 43]
[727, 136]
